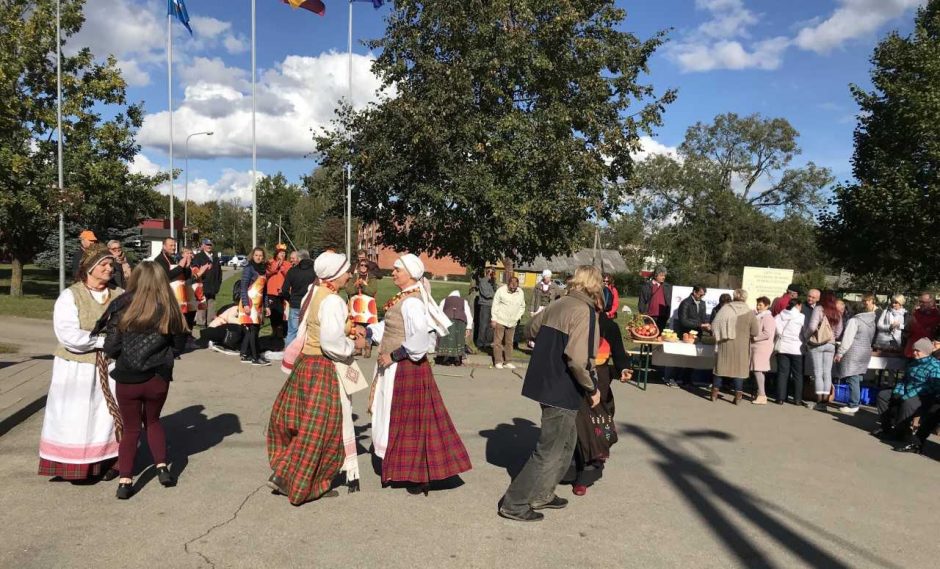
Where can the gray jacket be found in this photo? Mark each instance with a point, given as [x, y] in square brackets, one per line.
[855, 348]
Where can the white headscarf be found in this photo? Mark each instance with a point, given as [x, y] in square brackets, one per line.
[329, 266]
[546, 274]
[437, 320]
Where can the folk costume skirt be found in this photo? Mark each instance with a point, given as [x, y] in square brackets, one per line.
[305, 434]
[423, 444]
[453, 344]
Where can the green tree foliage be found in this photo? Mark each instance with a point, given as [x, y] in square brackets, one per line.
[883, 226]
[276, 201]
[99, 190]
[511, 123]
[322, 200]
[731, 198]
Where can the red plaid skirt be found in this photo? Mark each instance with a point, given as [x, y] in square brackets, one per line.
[423, 444]
[68, 471]
[305, 434]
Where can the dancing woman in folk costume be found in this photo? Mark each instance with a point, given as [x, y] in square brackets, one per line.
[411, 430]
[78, 440]
[311, 438]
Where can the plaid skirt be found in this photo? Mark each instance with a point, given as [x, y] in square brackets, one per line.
[452, 345]
[423, 444]
[68, 471]
[305, 434]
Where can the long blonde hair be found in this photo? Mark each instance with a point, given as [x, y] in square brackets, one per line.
[589, 280]
[153, 307]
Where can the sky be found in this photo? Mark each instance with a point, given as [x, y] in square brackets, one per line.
[791, 59]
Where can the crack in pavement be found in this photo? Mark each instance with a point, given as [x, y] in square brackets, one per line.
[218, 525]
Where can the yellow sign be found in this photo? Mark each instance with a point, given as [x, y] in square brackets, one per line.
[759, 281]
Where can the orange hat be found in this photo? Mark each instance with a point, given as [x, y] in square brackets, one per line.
[280, 247]
[87, 235]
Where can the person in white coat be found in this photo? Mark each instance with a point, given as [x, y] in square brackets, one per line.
[789, 351]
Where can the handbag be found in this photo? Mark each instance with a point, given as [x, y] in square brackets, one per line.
[351, 378]
[822, 335]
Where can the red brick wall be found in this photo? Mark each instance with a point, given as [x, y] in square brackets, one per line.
[434, 266]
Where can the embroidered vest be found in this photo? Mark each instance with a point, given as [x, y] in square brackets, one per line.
[89, 311]
[454, 308]
[394, 335]
[312, 345]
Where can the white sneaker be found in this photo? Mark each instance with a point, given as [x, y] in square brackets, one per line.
[499, 366]
[848, 410]
[509, 366]
[211, 344]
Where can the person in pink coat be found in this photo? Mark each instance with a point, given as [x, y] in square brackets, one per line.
[762, 347]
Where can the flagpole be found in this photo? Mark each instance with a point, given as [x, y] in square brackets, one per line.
[58, 71]
[348, 164]
[169, 93]
[254, 146]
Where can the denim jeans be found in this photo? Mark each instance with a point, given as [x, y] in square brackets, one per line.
[855, 389]
[738, 382]
[535, 484]
[822, 357]
[293, 322]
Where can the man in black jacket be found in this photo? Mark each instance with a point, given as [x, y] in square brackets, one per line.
[296, 282]
[211, 280]
[690, 317]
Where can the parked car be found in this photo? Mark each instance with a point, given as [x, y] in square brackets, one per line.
[560, 283]
[224, 259]
[237, 261]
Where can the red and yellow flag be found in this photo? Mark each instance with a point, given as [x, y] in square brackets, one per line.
[315, 6]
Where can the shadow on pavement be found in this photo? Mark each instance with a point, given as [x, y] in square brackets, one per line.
[188, 431]
[706, 491]
[509, 446]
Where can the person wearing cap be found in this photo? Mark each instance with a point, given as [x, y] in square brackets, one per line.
[276, 271]
[78, 440]
[411, 429]
[311, 438]
[86, 239]
[898, 405]
[780, 304]
[544, 293]
[208, 262]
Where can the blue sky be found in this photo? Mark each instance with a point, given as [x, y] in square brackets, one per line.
[790, 59]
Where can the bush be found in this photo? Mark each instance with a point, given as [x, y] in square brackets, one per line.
[628, 284]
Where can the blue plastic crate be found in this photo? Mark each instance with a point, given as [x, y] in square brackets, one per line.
[869, 395]
[842, 393]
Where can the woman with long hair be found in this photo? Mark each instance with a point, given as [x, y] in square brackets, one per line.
[824, 327]
[252, 305]
[78, 441]
[140, 335]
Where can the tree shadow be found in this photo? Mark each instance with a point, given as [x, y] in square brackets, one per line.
[705, 490]
[509, 446]
[188, 431]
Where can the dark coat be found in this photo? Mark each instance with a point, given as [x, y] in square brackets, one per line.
[138, 356]
[646, 294]
[212, 278]
[164, 261]
[297, 281]
[689, 317]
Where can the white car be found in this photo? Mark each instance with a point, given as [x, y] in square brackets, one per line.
[237, 261]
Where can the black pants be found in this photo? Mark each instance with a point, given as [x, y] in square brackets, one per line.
[738, 382]
[179, 340]
[896, 413]
[790, 372]
[250, 341]
[929, 419]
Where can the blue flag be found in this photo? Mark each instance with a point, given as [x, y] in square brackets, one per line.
[177, 9]
[376, 3]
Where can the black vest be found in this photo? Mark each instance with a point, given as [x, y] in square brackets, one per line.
[454, 308]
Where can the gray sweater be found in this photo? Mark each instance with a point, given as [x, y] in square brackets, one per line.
[855, 348]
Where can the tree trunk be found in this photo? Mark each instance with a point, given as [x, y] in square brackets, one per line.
[16, 279]
[508, 269]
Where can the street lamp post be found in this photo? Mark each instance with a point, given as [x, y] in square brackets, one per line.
[186, 185]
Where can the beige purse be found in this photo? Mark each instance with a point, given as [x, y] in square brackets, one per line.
[351, 378]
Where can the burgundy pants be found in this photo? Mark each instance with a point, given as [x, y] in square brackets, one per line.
[140, 405]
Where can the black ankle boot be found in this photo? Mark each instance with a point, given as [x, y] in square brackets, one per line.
[419, 489]
[353, 486]
[166, 479]
[125, 490]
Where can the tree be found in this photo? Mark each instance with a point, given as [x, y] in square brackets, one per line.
[730, 189]
[321, 201]
[276, 200]
[882, 226]
[99, 191]
[510, 125]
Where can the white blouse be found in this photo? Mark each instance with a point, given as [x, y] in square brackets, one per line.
[417, 339]
[333, 340]
[66, 324]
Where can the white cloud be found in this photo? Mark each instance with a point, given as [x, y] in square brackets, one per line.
[723, 41]
[853, 19]
[143, 165]
[232, 184]
[299, 94]
[652, 147]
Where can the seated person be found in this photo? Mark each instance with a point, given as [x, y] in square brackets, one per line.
[898, 406]
[224, 333]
